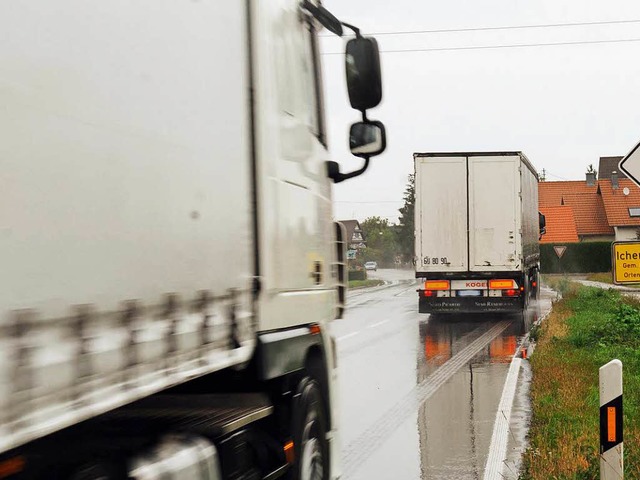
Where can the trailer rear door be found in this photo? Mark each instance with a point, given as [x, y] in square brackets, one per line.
[441, 214]
[494, 210]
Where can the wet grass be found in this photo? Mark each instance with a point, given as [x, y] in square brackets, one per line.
[605, 277]
[586, 329]
[365, 283]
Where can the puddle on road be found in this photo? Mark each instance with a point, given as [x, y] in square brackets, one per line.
[444, 433]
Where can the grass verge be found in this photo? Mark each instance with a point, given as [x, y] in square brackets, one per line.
[587, 328]
[606, 278]
[365, 283]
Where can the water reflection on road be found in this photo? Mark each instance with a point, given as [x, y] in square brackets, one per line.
[419, 395]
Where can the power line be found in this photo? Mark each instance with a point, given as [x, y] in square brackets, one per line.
[556, 176]
[500, 27]
[495, 47]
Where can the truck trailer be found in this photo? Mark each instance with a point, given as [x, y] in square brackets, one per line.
[477, 230]
[169, 260]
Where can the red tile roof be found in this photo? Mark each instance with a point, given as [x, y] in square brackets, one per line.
[589, 213]
[617, 204]
[561, 225]
[550, 193]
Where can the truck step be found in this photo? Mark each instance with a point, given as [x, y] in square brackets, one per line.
[211, 415]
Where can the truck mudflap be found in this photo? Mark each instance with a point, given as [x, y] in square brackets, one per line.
[470, 304]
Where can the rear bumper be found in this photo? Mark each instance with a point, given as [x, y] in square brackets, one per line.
[470, 304]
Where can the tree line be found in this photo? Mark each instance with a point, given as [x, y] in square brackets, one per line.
[391, 244]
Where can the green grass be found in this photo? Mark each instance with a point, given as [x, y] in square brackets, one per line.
[587, 329]
[607, 278]
[365, 283]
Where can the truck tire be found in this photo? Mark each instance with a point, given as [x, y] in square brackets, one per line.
[310, 433]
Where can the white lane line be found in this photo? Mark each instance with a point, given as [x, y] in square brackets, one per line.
[366, 444]
[500, 436]
[349, 335]
[378, 324]
[405, 291]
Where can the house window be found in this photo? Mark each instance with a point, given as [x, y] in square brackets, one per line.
[634, 212]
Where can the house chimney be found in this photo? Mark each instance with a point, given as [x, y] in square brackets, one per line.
[614, 180]
[591, 179]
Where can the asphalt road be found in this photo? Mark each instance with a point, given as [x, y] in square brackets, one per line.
[420, 397]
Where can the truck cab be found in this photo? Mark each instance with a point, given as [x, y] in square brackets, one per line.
[169, 254]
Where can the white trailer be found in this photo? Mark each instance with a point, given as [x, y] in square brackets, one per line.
[476, 231]
[169, 262]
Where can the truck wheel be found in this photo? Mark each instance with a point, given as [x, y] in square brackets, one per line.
[310, 433]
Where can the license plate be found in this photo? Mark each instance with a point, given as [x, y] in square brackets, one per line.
[469, 293]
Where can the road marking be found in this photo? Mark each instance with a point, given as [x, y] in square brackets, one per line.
[349, 335]
[412, 287]
[378, 324]
[500, 435]
[366, 444]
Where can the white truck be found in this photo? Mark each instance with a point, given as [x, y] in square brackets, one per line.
[169, 259]
[476, 232]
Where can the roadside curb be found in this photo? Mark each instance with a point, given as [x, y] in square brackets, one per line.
[608, 286]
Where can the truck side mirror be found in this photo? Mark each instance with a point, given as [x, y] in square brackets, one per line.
[364, 80]
[367, 139]
[542, 220]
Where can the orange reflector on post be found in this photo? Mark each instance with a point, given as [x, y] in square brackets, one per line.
[436, 285]
[611, 424]
[289, 453]
[502, 284]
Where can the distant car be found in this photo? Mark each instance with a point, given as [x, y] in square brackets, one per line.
[371, 266]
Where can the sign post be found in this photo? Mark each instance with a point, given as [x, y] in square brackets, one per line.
[611, 445]
[625, 262]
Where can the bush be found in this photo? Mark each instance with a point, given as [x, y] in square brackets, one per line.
[357, 275]
[578, 258]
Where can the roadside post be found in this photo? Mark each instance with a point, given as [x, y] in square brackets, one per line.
[611, 444]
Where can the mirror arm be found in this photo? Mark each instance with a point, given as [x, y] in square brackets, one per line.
[355, 29]
[333, 171]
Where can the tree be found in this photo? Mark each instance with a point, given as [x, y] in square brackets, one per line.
[380, 240]
[405, 231]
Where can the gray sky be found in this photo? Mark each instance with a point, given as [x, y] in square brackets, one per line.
[563, 106]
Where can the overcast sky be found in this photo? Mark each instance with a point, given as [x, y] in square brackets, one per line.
[563, 106]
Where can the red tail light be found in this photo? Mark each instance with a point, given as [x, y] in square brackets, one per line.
[428, 293]
[511, 293]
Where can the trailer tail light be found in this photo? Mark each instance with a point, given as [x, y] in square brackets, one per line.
[436, 285]
[511, 292]
[428, 293]
[502, 284]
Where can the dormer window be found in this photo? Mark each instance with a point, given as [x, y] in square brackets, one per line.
[634, 211]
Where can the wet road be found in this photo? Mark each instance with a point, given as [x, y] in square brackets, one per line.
[419, 396]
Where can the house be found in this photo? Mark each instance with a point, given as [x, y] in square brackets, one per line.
[621, 198]
[607, 166]
[582, 218]
[604, 209]
[355, 237]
